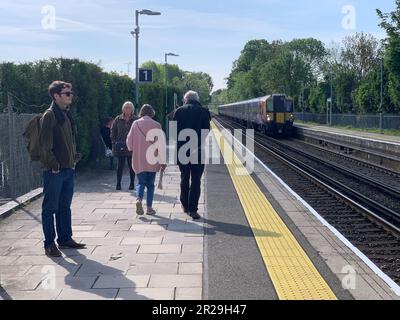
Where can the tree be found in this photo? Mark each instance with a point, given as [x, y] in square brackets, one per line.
[311, 51]
[265, 68]
[391, 23]
[220, 97]
[200, 82]
[317, 98]
[254, 53]
[97, 94]
[179, 81]
[351, 63]
[360, 54]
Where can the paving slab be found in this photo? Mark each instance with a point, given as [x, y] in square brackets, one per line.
[171, 281]
[153, 268]
[34, 294]
[122, 282]
[146, 294]
[89, 294]
[127, 256]
[188, 294]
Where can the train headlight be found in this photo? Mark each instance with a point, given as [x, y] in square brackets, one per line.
[291, 118]
[268, 118]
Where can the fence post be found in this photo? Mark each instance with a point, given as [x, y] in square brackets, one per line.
[381, 122]
[11, 180]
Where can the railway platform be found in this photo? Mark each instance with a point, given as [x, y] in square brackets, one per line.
[374, 147]
[352, 133]
[257, 239]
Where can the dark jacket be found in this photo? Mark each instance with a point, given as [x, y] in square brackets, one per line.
[119, 132]
[57, 139]
[192, 116]
[106, 136]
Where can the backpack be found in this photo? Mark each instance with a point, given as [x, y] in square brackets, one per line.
[31, 134]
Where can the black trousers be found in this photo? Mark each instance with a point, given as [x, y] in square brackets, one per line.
[190, 185]
[120, 169]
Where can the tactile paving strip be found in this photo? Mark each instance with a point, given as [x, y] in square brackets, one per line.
[291, 270]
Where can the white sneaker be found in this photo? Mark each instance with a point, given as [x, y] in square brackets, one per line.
[139, 208]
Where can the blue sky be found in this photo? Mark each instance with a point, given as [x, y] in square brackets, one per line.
[208, 35]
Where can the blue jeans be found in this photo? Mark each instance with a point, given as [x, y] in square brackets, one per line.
[58, 190]
[146, 180]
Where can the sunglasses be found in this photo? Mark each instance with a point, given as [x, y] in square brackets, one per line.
[68, 94]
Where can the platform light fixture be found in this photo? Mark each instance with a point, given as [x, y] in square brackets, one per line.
[135, 33]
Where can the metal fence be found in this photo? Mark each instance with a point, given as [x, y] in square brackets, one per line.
[379, 121]
[18, 175]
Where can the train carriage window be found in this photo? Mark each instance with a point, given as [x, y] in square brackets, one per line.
[270, 106]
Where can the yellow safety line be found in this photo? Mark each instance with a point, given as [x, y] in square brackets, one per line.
[291, 270]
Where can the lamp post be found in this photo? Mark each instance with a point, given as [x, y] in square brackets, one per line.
[166, 89]
[136, 34]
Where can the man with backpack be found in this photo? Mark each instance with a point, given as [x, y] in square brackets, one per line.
[58, 157]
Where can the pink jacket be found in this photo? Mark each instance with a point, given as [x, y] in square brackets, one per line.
[147, 145]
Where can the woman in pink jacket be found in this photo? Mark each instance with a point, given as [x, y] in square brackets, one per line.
[147, 141]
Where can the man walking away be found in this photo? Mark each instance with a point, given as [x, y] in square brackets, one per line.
[191, 116]
[58, 158]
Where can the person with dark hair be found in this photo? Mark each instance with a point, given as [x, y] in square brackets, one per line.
[58, 157]
[119, 131]
[106, 137]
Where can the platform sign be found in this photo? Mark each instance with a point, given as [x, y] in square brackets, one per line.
[145, 75]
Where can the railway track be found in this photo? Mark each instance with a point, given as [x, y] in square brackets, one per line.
[370, 224]
[380, 197]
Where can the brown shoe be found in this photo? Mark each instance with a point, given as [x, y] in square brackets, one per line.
[139, 208]
[52, 251]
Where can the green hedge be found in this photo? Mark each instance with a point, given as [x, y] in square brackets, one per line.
[98, 94]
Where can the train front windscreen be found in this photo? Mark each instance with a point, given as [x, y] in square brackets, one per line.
[288, 106]
[279, 103]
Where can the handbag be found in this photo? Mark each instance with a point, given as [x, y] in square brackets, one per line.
[109, 153]
[120, 146]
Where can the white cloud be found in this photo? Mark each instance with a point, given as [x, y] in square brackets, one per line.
[26, 35]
